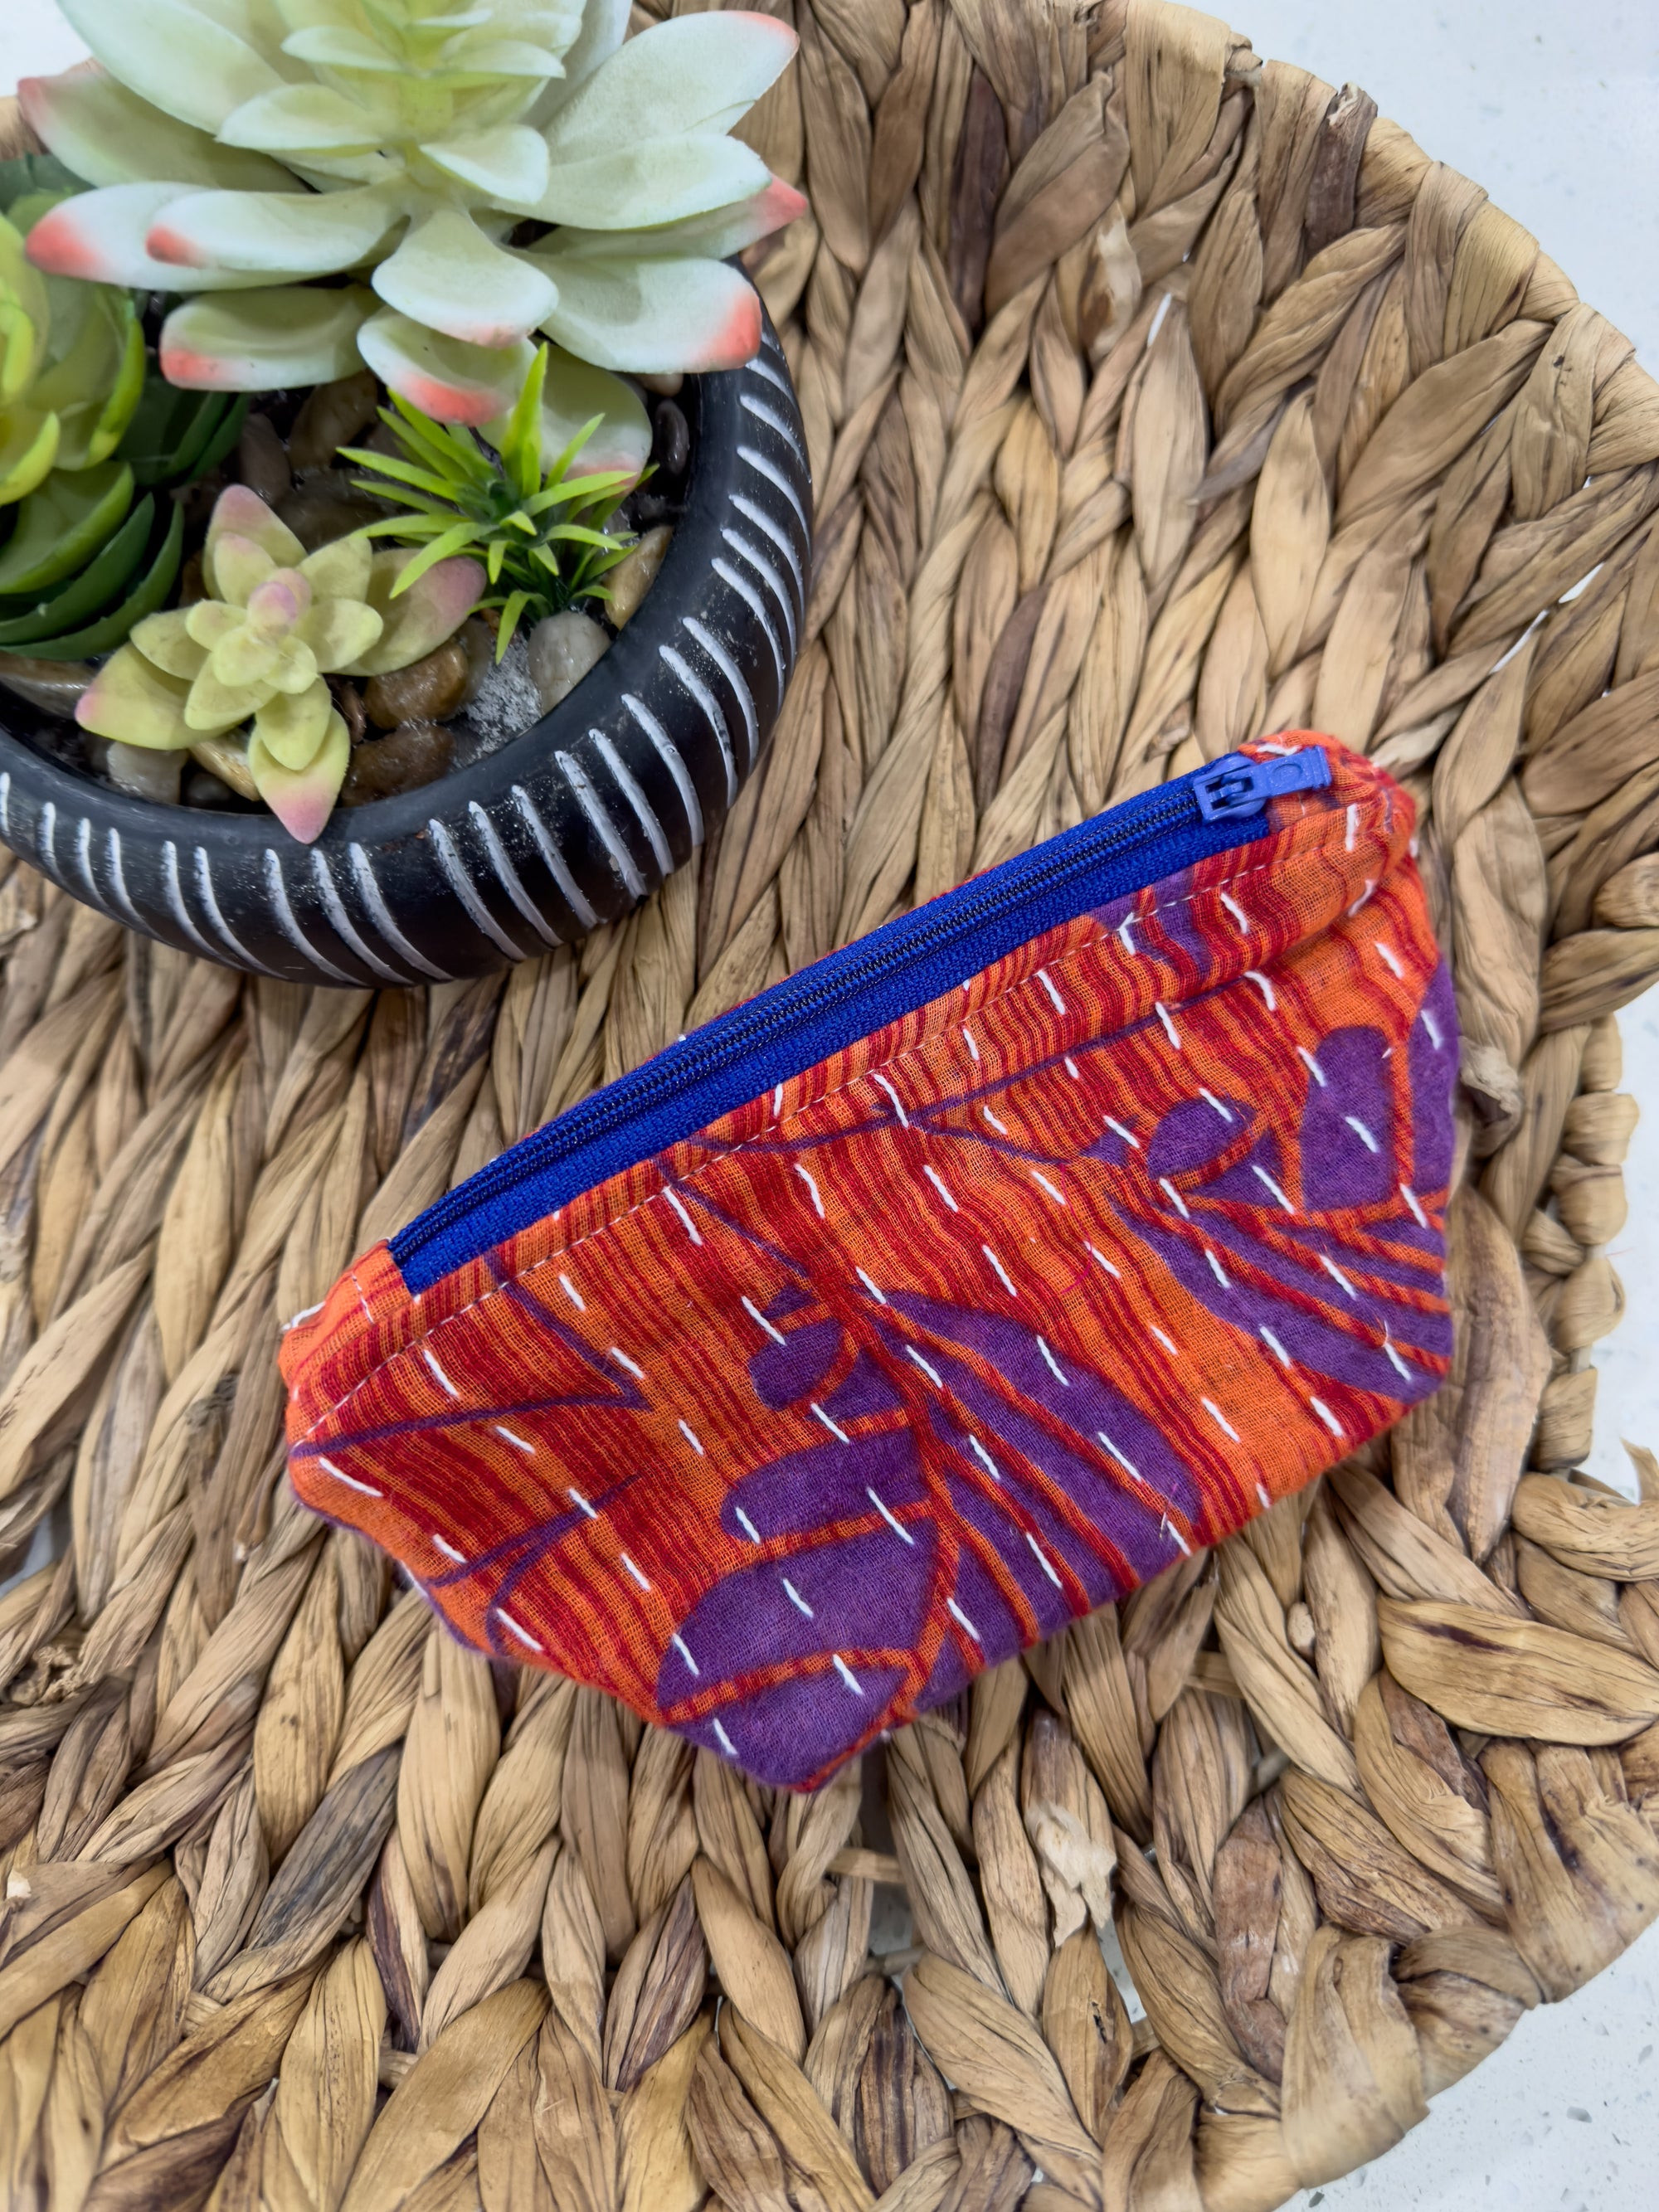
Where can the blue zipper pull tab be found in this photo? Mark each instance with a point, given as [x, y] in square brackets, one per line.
[1231, 788]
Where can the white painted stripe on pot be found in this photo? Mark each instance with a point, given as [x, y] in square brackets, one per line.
[746, 591]
[47, 841]
[467, 892]
[117, 878]
[205, 893]
[762, 368]
[669, 753]
[5, 803]
[84, 855]
[604, 828]
[277, 891]
[763, 522]
[728, 668]
[628, 785]
[677, 665]
[344, 927]
[769, 576]
[779, 481]
[509, 876]
[774, 421]
[176, 906]
[569, 891]
[375, 899]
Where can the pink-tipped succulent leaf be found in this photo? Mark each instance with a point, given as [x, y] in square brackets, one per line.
[418, 620]
[239, 148]
[303, 799]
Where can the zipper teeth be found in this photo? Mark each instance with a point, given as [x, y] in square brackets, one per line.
[849, 983]
[688, 1069]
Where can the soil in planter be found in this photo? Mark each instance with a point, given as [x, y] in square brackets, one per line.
[409, 729]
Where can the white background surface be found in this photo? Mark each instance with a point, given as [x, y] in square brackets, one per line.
[1552, 108]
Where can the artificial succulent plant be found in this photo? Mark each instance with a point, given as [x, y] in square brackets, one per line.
[492, 170]
[87, 441]
[254, 656]
[72, 356]
[540, 531]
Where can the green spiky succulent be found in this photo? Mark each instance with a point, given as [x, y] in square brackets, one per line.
[537, 527]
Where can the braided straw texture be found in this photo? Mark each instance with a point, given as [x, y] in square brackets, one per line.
[1157, 397]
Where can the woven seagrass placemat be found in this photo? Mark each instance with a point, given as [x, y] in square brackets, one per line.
[1155, 397]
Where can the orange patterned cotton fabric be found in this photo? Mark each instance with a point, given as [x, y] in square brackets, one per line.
[783, 1434]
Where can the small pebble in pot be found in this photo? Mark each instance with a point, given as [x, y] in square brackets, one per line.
[143, 773]
[191, 585]
[666, 387]
[203, 789]
[198, 500]
[477, 641]
[349, 705]
[260, 461]
[54, 684]
[670, 440]
[415, 753]
[334, 415]
[425, 691]
[562, 648]
[225, 759]
[325, 508]
[383, 439]
[631, 579]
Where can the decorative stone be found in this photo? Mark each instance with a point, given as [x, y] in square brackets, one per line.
[414, 753]
[201, 788]
[335, 415]
[260, 461]
[54, 684]
[632, 578]
[225, 759]
[198, 501]
[670, 440]
[668, 387]
[325, 508]
[562, 648]
[425, 691]
[477, 640]
[349, 705]
[192, 586]
[143, 773]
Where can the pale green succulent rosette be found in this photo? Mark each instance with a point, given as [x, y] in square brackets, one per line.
[244, 149]
[254, 656]
[71, 364]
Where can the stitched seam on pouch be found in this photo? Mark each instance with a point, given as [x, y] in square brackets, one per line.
[688, 1182]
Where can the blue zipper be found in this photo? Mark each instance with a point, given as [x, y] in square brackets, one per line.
[830, 1005]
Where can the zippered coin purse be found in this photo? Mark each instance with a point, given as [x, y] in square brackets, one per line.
[940, 1294]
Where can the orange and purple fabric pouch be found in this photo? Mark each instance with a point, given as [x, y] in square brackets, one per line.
[949, 1289]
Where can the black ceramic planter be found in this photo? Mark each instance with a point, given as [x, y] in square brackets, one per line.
[566, 826]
